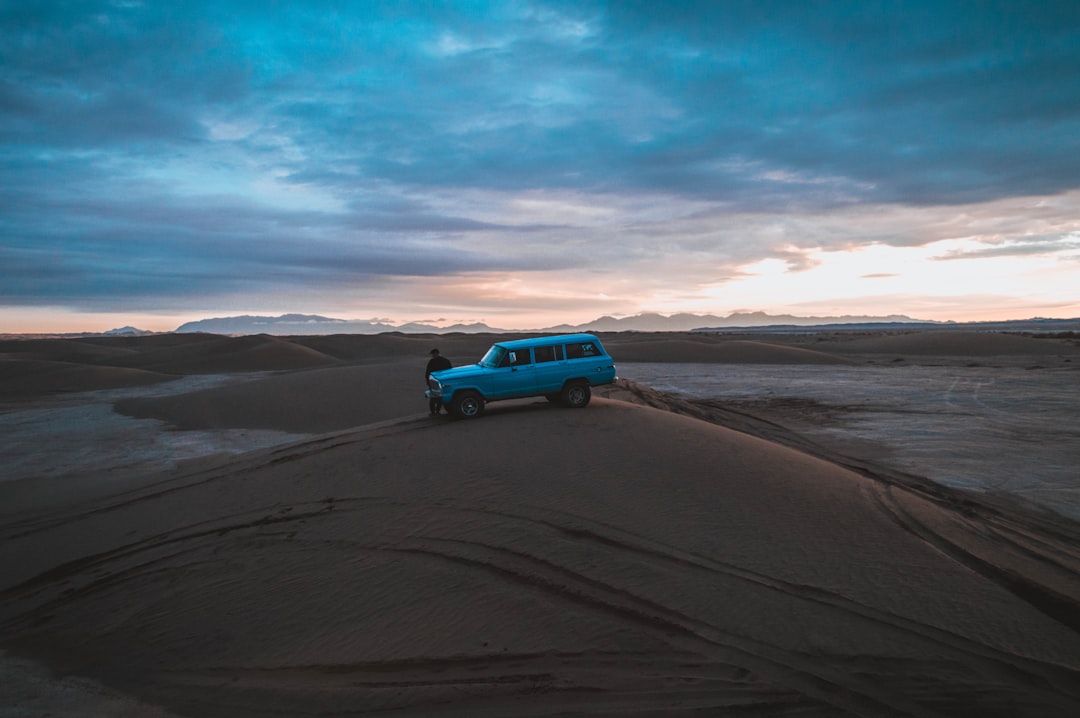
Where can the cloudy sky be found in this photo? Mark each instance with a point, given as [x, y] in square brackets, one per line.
[527, 163]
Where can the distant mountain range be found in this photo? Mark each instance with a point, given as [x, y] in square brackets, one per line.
[128, 331]
[687, 322]
[749, 322]
[298, 324]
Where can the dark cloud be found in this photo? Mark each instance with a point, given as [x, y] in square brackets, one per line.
[135, 136]
[108, 251]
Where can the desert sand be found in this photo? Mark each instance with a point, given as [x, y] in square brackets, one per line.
[642, 556]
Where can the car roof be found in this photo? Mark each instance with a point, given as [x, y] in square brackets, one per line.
[547, 340]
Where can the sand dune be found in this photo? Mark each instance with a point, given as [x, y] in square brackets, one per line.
[467, 348]
[316, 401]
[22, 379]
[183, 354]
[617, 560]
[230, 354]
[191, 354]
[63, 350]
[960, 343]
[732, 351]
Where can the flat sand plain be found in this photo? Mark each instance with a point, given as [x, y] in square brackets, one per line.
[1005, 430]
[644, 556]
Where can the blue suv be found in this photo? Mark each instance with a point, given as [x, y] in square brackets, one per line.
[562, 368]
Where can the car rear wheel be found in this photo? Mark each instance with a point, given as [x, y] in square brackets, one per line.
[468, 405]
[576, 395]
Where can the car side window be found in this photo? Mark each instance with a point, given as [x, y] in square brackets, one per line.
[584, 349]
[516, 357]
[545, 354]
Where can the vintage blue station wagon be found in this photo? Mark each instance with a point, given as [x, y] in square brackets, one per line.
[562, 368]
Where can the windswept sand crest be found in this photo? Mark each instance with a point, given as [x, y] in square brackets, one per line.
[420, 565]
[992, 540]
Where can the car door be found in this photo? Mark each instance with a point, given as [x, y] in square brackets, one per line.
[550, 368]
[515, 375]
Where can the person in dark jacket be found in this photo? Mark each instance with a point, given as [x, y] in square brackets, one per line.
[436, 363]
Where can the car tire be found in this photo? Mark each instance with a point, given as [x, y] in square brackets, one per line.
[576, 395]
[468, 405]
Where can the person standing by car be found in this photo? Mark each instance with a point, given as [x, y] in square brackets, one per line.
[436, 363]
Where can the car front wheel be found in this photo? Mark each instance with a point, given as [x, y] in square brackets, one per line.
[576, 395]
[468, 405]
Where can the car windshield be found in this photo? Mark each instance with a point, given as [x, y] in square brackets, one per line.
[493, 357]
